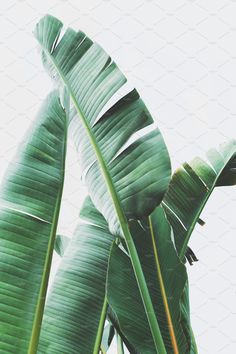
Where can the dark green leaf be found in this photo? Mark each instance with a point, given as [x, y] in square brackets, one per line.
[30, 199]
[136, 179]
[192, 185]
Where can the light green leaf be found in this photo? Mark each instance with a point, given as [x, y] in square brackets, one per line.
[166, 278]
[123, 184]
[61, 243]
[192, 185]
[30, 198]
[75, 312]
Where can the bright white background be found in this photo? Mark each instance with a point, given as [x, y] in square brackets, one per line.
[181, 56]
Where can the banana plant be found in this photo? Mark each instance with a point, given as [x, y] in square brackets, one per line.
[166, 276]
[30, 198]
[124, 270]
[123, 182]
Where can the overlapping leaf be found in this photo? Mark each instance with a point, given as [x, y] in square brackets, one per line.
[60, 246]
[73, 319]
[166, 278]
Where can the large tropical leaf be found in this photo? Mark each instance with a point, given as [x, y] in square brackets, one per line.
[166, 278]
[137, 177]
[30, 199]
[192, 185]
[124, 183]
[76, 308]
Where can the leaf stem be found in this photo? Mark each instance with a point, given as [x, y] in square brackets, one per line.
[97, 344]
[147, 302]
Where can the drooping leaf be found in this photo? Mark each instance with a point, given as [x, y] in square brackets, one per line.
[192, 185]
[30, 198]
[74, 313]
[166, 278]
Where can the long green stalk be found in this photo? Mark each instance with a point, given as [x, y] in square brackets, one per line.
[151, 316]
[98, 340]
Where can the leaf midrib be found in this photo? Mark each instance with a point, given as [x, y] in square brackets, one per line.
[104, 170]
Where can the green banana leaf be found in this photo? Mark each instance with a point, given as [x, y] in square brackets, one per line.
[137, 178]
[30, 198]
[192, 185]
[123, 182]
[166, 278]
[76, 308]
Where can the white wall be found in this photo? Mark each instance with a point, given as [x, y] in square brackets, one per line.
[181, 56]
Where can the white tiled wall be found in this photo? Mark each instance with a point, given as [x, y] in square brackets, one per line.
[181, 56]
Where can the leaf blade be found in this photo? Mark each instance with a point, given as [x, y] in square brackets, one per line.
[28, 209]
[74, 314]
[91, 80]
[192, 185]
